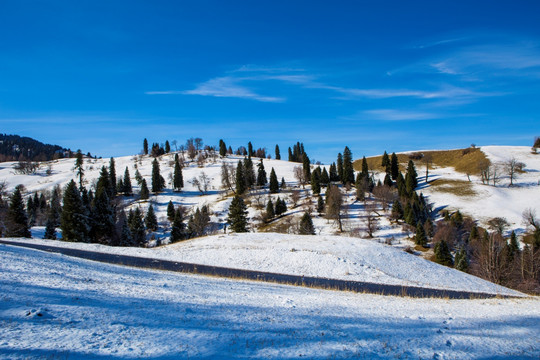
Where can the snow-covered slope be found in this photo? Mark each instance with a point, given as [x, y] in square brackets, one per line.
[57, 307]
[334, 257]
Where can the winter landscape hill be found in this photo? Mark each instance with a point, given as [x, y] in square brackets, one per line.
[58, 296]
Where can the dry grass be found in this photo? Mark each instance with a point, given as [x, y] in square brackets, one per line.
[462, 160]
[455, 187]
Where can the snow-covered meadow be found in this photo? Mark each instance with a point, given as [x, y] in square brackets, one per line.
[57, 307]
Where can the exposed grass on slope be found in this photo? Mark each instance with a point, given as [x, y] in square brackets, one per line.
[455, 187]
[463, 160]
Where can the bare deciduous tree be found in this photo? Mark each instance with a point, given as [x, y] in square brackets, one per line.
[512, 166]
[228, 177]
[371, 220]
[334, 201]
[384, 195]
[202, 183]
[300, 175]
[295, 197]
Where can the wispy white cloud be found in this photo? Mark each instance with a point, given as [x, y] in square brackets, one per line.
[399, 115]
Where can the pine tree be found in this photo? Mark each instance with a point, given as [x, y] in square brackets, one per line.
[281, 207]
[348, 172]
[283, 184]
[250, 150]
[270, 212]
[167, 147]
[334, 176]
[145, 194]
[274, 186]
[420, 238]
[237, 215]
[145, 147]
[513, 247]
[178, 231]
[17, 219]
[74, 220]
[388, 180]
[394, 166]
[306, 167]
[222, 148]
[291, 156]
[325, 179]
[442, 254]
[249, 173]
[411, 178]
[315, 182]
[386, 164]
[112, 178]
[157, 179]
[50, 229]
[178, 177]
[462, 263]
[126, 238]
[103, 212]
[320, 204]
[278, 155]
[136, 226]
[150, 221]
[127, 188]
[306, 225]
[240, 179]
[365, 168]
[79, 167]
[170, 211]
[340, 167]
[397, 210]
[261, 174]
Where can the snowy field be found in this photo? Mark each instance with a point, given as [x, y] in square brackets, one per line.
[56, 307]
[335, 257]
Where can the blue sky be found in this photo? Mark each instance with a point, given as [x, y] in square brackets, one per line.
[372, 75]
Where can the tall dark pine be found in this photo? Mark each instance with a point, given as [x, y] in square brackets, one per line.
[340, 167]
[348, 172]
[411, 178]
[178, 231]
[325, 178]
[334, 176]
[291, 156]
[270, 212]
[261, 175]
[249, 172]
[103, 212]
[157, 180]
[167, 147]
[306, 225]
[250, 150]
[237, 218]
[74, 220]
[178, 178]
[50, 229]
[128, 189]
[145, 147]
[394, 166]
[240, 179]
[17, 219]
[315, 182]
[170, 211]
[222, 148]
[274, 185]
[79, 167]
[136, 226]
[144, 194]
[365, 168]
[420, 237]
[306, 167]
[112, 177]
[385, 163]
[278, 155]
[151, 220]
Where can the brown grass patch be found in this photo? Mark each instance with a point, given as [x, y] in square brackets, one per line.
[462, 160]
[455, 187]
[421, 248]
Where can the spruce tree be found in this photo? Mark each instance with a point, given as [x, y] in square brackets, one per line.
[238, 215]
[283, 184]
[281, 207]
[126, 238]
[315, 182]
[348, 172]
[278, 155]
[420, 238]
[394, 166]
[103, 212]
[145, 146]
[261, 175]
[178, 231]
[144, 194]
[388, 180]
[79, 167]
[240, 179]
[150, 221]
[167, 147]
[462, 263]
[127, 188]
[249, 173]
[291, 156]
[411, 178]
[74, 221]
[170, 211]
[157, 179]
[386, 163]
[340, 167]
[270, 212]
[178, 177]
[274, 186]
[513, 247]
[306, 167]
[222, 148]
[50, 229]
[112, 178]
[250, 150]
[306, 225]
[397, 210]
[136, 226]
[17, 219]
[365, 168]
[320, 204]
[334, 176]
[442, 254]
[325, 178]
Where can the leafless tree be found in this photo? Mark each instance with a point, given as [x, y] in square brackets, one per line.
[384, 194]
[484, 167]
[202, 183]
[498, 224]
[428, 160]
[228, 177]
[334, 201]
[512, 166]
[191, 148]
[491, 258]
[300, 176]
[496, 174]
[175, 144]
[371, 220]
[26, 167]
[198, 143]
[295, 197]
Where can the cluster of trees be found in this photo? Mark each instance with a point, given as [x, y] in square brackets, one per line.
[17, 148]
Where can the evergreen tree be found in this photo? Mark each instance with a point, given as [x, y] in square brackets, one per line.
[270, 212]
[136, 226]
[281, 207]
[222, 148]
[238, 215]
[126, 238]
[178, 177]
[513, 246]
[145, 147]
[74, 219]
[150, 221]
[315, 182]
[157, 180]
[274, 186]
[112, 178]
[261, 174]
[348, 172]
[394, 166]
[420, 238]
[334, 176]
[103, 212]
[442, 254]
[411, 178]
[291, 158]
[278, 155]
[127, 188]
[340, 168]
[325, 178]
[178, 231]
[50, 229]
[388, 180]
[306, 225]
[397, 210]
[306, 167]
[17, 219]
[250, 150]
[386, 164]
[145, 194]
[170, 211]
[320, 204]
[79, 167]
[365, 168]
[167, 147]
[462, 263]
[249, 173]
[240, 179]
[283, 184]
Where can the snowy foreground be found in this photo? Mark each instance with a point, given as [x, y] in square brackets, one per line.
[335, 257]
[57, 307]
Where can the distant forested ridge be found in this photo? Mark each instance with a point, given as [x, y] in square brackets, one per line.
[21, 148]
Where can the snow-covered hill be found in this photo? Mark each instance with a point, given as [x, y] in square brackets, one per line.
[57, 307]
